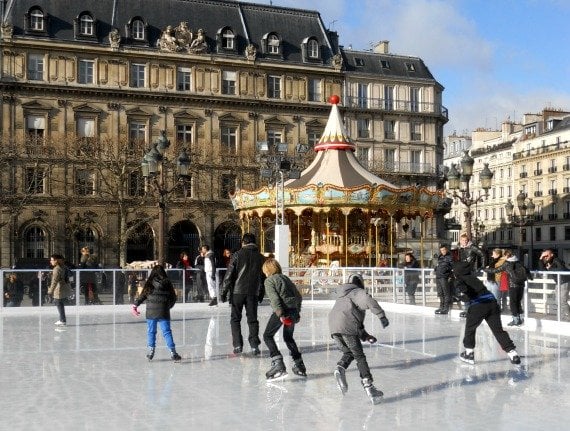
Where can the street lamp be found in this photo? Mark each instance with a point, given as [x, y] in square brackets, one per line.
[479, 231]
[276, 165]
[459, 181]
[153, 166]
[525, 218]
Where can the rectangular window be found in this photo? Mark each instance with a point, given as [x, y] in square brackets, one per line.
[566, 233]
[315, 90]
[85, 73]
[274, 87]
[136, 184]
[416, 131]
[552, 233]
[137, 135]
[86, 135]
[84, 182]
[138, 75]
[274, 137]
[228, 186]
[184, 79]
[184, 133]
[389, 129]
[313, 138]
[416, 161]
[362, 95]
[35, 181]
[538, 234]
[36, 67]
[414, 99]
[390, 159]
[229, 82]
[363, 156]
[37, 20]
[229, 139]
[363, 127]
[389, 97]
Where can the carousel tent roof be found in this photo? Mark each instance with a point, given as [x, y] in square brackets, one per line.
[335, 178]
[335, 162]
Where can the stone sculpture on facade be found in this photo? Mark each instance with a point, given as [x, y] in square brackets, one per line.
[7, 31]
[337, 61]
[115, 38]
[250, 52]
[181, 38]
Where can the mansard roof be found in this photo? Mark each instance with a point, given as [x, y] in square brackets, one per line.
[389, 65]
[249, 22]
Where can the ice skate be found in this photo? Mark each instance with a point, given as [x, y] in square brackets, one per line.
[340, 376]
[514, 357]
[277, 369]
[150, 353]
[467, 357]
[373, 393]
[175, 356]
[299, 368]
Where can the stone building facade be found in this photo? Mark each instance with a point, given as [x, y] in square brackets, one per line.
[87, 88]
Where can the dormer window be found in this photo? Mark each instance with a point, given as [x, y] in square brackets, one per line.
[37, 20]
[228, 39]
[86, 25]
[358, 61]
[410, 67]
[273, 44]
[385, 64]
[137, 30]
[313, 48]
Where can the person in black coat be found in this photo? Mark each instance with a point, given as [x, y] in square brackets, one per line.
[549, 262]
[482, 305]
[160, 297]
[243, 286]
[443, 273]
[412, 274]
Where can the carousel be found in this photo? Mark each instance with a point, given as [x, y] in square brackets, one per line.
[337, 211]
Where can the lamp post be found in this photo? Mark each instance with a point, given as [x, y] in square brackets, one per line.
[525, 218]
[153, 166]
[479, 231]
[277, 165]
[459, 181]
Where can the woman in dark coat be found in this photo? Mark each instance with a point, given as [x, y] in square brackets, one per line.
[160, 297]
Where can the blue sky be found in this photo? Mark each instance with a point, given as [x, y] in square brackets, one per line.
[497, 59]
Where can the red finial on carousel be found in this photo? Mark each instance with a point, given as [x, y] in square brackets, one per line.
[334, 99]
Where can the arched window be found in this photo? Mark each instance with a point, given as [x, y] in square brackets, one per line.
[86, 238]
[228, 39]
[138, 29]
[37, 20]
[273, 44]
[313, 48]
[35, 243]
[86, 25]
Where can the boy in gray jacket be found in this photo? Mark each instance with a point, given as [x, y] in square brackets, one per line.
[346, 324]
[285, 301]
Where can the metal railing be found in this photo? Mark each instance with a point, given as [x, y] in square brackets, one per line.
[120, 286]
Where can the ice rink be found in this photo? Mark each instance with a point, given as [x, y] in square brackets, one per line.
[93, 375]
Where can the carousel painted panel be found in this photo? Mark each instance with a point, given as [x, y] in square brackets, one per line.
[332, 196]
[361, 196]
[307, 197]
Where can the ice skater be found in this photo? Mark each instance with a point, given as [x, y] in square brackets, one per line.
[285, 301]
[482, 305]
[160, 297]
[346, 324]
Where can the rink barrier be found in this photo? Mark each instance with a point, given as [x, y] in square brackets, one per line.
[119, 286]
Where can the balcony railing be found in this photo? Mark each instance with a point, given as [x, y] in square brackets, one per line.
[538, 172]
[542, 150]
[552, 192]
[523, 174]
[385, 166]
[389, 105]
[552, 169]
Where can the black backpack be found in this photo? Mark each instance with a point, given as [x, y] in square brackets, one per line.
[521, 274]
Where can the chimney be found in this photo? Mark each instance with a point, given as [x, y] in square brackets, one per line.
[382, 47]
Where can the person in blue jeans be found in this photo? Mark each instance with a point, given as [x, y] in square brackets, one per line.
[160, 297]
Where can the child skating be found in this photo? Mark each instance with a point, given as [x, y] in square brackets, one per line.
[160, 297]
[346, 324]
[285, 301]
[482, 306]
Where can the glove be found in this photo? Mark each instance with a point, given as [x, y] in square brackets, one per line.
[384, 321]
[372, 339]
[135, 311]
[224, 296]
[286, 320]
